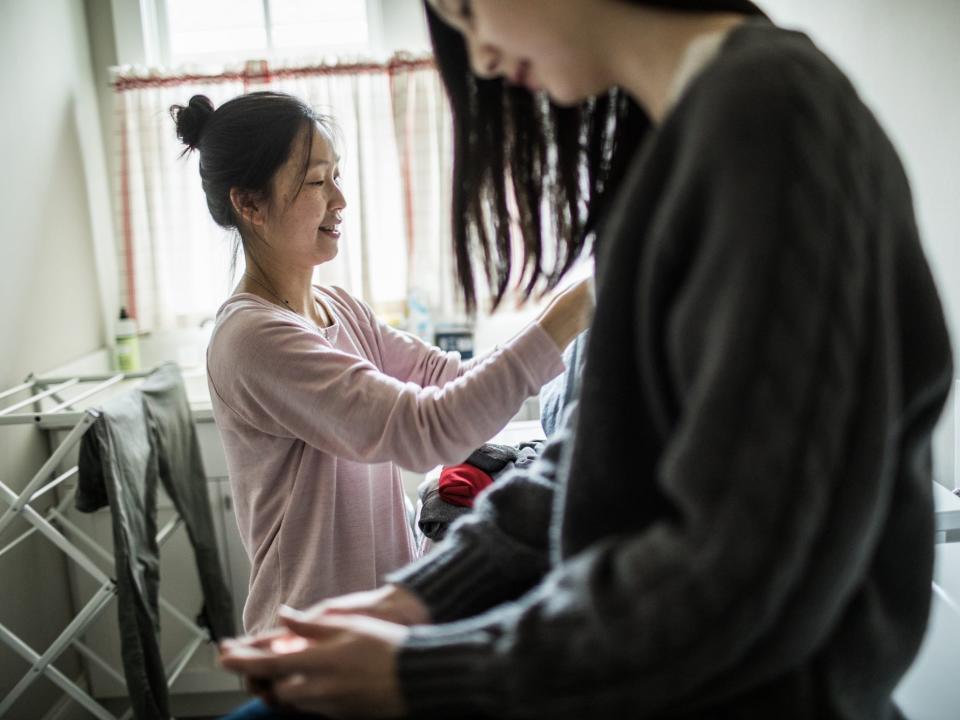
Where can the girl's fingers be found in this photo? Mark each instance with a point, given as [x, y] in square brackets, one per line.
[256, 662]
[322, 628]
[260, 640]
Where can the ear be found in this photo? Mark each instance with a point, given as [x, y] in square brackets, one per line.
[248, 206]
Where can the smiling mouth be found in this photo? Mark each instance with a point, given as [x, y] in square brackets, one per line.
[330, 229]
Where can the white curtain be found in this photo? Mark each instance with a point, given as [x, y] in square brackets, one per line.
[425, 140]
[393, 135]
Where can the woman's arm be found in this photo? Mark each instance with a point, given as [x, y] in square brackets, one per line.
[503, 545]
[410, 359]
[291, 383]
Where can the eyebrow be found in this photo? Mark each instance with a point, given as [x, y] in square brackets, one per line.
[317, 163]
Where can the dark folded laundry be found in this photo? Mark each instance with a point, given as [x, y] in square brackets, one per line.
[528, 453]
[492, 458]
[460, 484]
[436, 515]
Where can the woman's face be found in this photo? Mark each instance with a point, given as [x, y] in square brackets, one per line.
[541, 44]
[302, 222]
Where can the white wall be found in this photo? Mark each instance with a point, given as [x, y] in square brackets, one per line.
[48, 289]
[904, 58]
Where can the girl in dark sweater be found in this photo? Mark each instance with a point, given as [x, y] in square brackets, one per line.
[736, 520]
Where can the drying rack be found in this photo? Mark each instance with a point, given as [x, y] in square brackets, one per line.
[54, 525]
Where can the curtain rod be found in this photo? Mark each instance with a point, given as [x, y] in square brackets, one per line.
[259, 71]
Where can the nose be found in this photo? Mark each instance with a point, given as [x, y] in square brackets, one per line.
[337, 200]
[486, 60]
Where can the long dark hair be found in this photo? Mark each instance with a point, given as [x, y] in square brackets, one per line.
[520, 161]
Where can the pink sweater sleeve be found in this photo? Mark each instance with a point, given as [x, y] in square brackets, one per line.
[404, 355]
[408, 358]
[293, 383]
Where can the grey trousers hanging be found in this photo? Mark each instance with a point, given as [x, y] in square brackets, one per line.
[140, 438]
[184, 480]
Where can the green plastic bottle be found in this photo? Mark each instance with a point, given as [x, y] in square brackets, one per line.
[128, 344]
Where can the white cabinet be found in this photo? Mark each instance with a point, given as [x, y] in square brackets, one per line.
[234, 556]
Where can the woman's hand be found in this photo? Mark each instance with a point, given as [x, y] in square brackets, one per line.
[342, 666]
[569, 314]
[393, 603]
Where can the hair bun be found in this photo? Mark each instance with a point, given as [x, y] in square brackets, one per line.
[192, 119]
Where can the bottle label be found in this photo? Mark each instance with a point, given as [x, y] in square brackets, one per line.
[128, 354]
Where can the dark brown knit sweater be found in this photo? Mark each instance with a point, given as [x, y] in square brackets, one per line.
[738, 521]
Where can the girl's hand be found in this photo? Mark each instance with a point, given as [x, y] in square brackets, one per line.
[393, 603]
[342, 666]
[569, 314]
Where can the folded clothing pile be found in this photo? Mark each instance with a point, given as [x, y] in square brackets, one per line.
[442, 500]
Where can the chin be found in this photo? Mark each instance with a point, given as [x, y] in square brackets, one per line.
[567, 96]
[326, 250]
[571, 86]
[565, 100]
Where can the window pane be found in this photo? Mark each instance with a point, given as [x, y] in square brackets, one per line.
[215, 27]
[319, 24]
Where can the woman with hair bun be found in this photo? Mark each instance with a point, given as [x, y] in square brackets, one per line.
[317, 402]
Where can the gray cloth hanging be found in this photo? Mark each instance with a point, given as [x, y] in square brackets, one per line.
[140, 438]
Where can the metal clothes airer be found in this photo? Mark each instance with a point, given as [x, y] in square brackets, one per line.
[54, 525]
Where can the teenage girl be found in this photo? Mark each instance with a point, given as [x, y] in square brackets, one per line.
[738, 521]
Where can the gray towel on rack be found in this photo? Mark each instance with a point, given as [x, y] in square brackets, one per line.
[140, 438]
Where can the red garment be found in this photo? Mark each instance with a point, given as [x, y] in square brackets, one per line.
[460, 484]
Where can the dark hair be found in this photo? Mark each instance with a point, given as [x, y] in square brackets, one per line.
[242, 144]
[558, 166]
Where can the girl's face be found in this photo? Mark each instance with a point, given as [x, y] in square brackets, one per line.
[301, 224]
[541, 44]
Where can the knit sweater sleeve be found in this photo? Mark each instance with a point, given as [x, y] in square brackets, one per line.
[761, 341]
[290, 382]
[500, 550]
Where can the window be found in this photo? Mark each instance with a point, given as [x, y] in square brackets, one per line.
[212, 31]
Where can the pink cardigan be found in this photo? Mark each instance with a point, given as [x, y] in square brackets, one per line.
[315, 422]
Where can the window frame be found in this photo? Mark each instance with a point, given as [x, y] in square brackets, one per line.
[156, 31]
